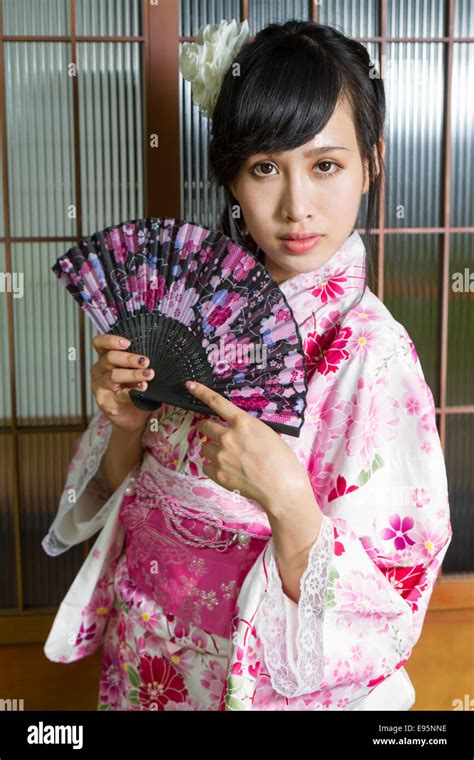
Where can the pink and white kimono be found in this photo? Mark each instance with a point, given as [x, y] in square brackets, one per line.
[182, 587]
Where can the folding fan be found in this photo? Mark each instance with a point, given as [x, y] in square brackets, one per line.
[201, 308]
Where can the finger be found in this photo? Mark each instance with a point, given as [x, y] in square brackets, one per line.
[219, 404]
[103, 343]
[210, 471]
[137, 386]
[122, 376]
[96, 370]
[209, 451]
[100, 368]
[105, 401]
[211, 429]
[108, 385]
[123, 359]
[121, 396]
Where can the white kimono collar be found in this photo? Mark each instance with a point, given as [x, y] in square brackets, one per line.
[336, 286]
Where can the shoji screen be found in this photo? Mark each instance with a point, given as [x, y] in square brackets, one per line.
[72, 103]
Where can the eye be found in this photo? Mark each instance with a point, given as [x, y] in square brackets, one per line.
[261, 163]
[329, 163]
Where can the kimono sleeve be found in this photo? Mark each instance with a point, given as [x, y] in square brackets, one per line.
[85, 500]
[385, 532]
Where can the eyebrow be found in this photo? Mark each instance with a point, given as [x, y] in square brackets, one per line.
[314, 151]
[323, 149]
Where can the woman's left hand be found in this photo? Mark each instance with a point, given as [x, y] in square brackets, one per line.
[249, 457]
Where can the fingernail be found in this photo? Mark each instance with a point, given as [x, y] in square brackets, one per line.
[124, 342]
[190, 385]
[148, 372]
[141, 360]
[141, 385]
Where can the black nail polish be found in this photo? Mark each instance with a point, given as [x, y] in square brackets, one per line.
[141, 360]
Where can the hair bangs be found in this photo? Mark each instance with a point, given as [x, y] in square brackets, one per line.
[287, 100]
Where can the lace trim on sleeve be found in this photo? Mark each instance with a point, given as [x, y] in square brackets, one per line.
[82, 472]
[292, 634]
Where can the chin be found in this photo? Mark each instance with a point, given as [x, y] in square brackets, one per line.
[301, 263]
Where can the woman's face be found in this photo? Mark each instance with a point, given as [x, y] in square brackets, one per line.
[314, 188]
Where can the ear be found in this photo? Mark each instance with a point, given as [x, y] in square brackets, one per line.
[366, 173]
[366, 184]
[382, 153]
[382, 147]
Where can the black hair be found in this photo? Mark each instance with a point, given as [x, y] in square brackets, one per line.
[271, 106]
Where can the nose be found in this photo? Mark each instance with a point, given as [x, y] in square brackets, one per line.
[297, 201]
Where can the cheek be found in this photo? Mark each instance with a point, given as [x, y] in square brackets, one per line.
[255, 197]
[257, 207]
[346, 190]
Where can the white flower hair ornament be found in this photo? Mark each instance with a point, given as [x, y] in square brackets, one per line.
[205, 62]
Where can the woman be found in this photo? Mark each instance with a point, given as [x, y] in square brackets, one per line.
[251, 570]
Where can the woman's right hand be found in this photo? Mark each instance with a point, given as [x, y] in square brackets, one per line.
[118, 371]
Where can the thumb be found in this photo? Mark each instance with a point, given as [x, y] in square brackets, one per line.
[121, 396]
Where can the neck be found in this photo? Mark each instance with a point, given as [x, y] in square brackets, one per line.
[278, 273]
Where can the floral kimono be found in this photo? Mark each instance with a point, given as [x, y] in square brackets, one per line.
[182, 587]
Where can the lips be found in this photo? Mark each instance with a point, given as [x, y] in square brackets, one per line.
[301, 244]
[300, 236]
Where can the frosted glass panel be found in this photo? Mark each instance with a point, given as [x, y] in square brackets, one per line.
[46, 340]
[462, 120]
[109, 17]
[461, 320]
[5, 398]
[459, 447]
[356, 18]
[2, 221]
[412, 294]
[416, 18]
[195, 14]
[263, 12]
[39, 118]
[111, 117]
[463, 18]
[414, 157]
[8, 596]
[44, 459]
[42, 17]
[91, 357]
[201, 201]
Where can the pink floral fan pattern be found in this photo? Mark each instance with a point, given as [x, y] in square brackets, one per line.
[201, 307]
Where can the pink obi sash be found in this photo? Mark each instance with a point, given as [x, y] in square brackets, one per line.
[192, 564]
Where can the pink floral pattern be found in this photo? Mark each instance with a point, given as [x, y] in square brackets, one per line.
[155, 274]
[373, 456]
